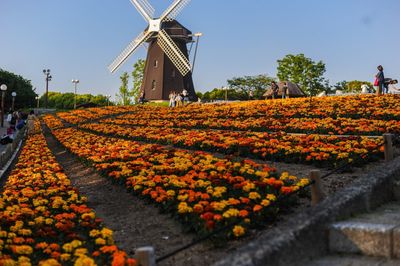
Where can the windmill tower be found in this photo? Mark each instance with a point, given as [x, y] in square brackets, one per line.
[167, 66]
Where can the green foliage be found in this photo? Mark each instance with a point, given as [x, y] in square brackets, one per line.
[137, 76]
[63, 101]
[303, 71]
[243, 87]
[352, 86]
[355, 85]
[25, 94]
[123, 96]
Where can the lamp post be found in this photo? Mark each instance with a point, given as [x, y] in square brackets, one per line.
[13, 94]
[198, 35]
[3, 88]
[46, 72]
[75, 81]
[37, 99]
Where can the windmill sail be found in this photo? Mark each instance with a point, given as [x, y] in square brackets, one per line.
[144, 8]
[144, 36]
[173, 52]
[173, 11]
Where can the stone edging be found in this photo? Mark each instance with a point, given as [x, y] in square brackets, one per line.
[305, 236]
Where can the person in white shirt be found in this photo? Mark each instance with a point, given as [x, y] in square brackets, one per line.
[392, 87]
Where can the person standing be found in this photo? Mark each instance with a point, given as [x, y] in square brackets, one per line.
[185, 96]
[284, 90]
[275, 89]
[380, 81]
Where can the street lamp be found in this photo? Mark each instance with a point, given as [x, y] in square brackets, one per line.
[198, 35]
[46, 72]
[3, 88]
[37, 99]
[75, 81]
[13, 94]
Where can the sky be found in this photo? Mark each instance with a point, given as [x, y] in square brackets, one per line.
[78, 39]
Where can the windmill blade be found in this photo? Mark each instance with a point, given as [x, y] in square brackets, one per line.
[173, 52]
[144, 36]
[172, 12]
[144, 8]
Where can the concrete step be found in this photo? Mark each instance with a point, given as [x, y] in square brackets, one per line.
[352, 260]
[372, 234]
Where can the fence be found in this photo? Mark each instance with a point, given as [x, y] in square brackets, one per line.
[7, 156]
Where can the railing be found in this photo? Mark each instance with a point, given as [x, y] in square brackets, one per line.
[10, 151]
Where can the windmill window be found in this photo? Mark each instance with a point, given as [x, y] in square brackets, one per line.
[153, 85]
[173, 73]
[155, 63]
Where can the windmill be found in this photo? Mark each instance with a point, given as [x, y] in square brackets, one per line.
[167, 66]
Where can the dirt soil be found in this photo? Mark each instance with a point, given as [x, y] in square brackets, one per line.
[136, 223]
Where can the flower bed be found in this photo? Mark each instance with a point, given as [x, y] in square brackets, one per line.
[201, 190]
[320, 150]
[44, 220]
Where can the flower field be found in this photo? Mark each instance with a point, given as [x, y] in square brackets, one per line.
[208, 179]
[205, 165]
[44, 220]
[203, 191]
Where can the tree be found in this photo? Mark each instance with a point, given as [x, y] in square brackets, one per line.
[137, 76]
[25, 94]
[303, 71]
[355, 85]
[124, 96]
[247, 85]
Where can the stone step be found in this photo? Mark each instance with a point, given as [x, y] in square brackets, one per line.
[352, 260]
[372, 234]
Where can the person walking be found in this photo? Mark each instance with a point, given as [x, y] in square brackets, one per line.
[380, 81]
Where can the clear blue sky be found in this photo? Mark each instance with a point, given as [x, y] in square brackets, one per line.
[77, 39]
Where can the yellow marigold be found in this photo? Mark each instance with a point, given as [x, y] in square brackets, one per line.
[23, 249]
[49, 221]
[49, 262]
[67, 247]
[65, 257]
[25, 232]
[184, 208]
[3, 234]
[100, 241]
[137, 187]
[89, 215]
[8, 262]
[94, 233]
[80, 252]
[254, 195]
[271, 197]
[249, 186]
[76, 243]
[238, 230]
[231, 213]
[265, 202]
[84, 261]
[171, 193]
[24, 261]
[106, 233]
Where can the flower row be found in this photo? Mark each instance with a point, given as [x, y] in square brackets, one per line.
[360, 106]
[277, 146]
[80, 116]
[44, 220]
[338, 126]
[203, 191]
